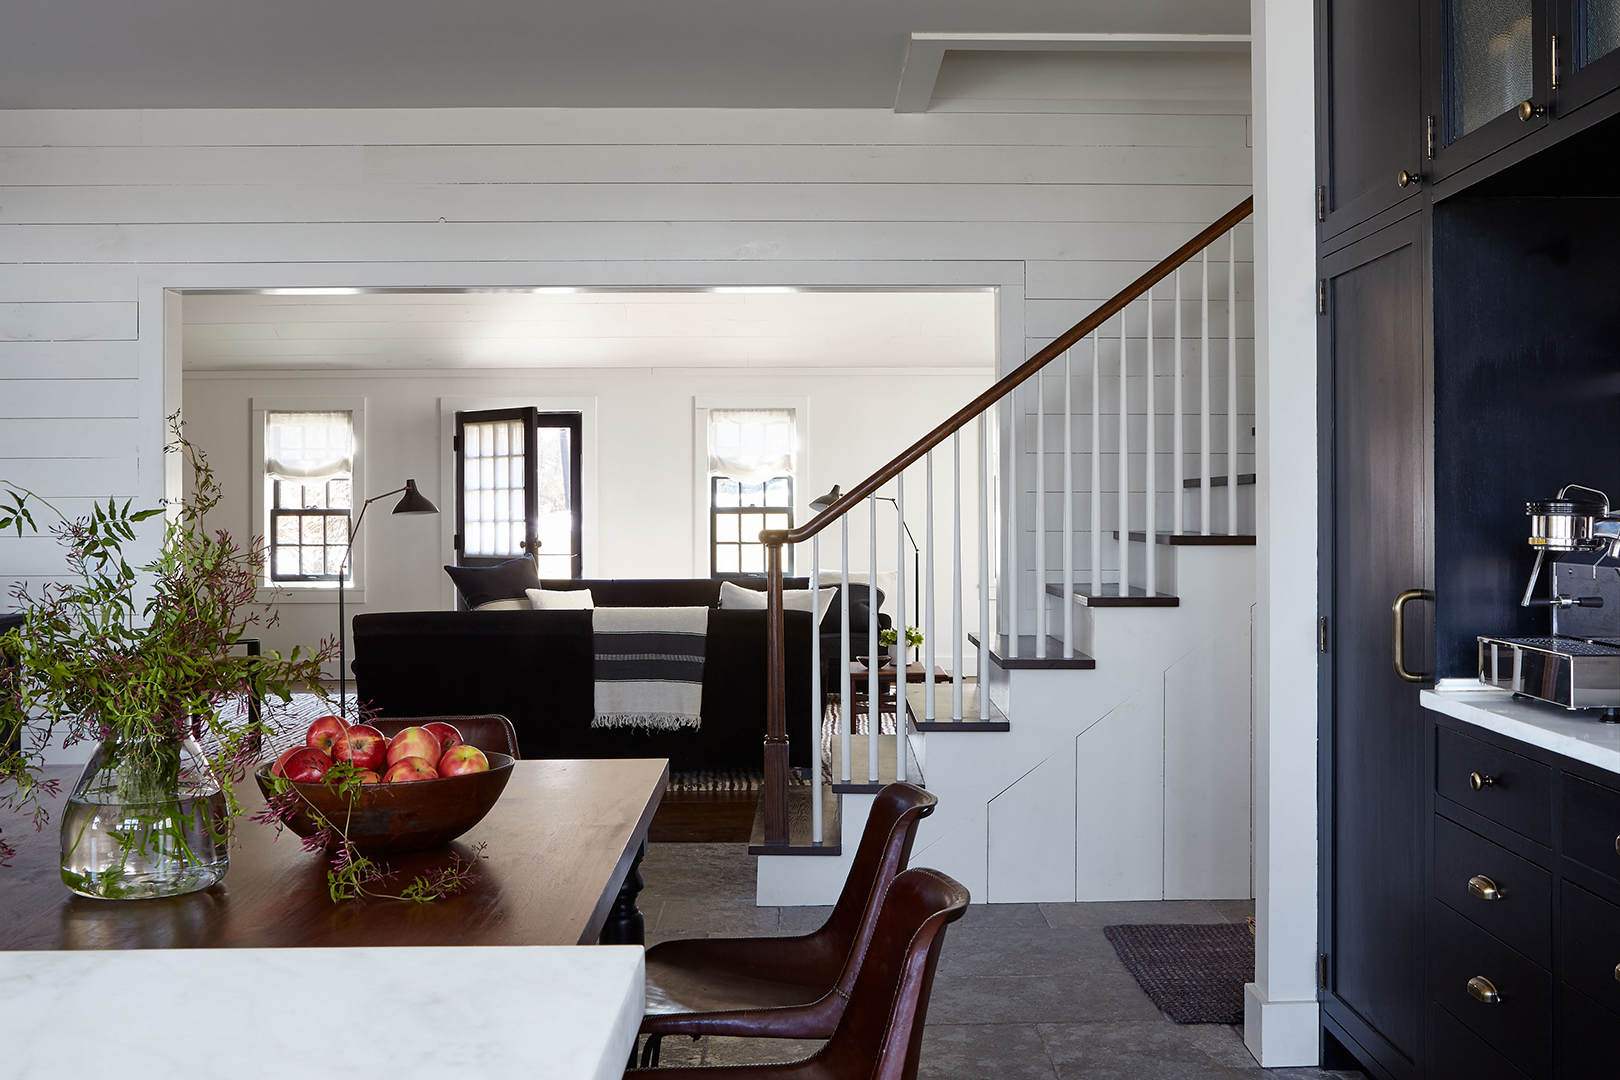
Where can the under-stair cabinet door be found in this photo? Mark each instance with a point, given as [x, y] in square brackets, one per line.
[1369, 109]
[1376, 394]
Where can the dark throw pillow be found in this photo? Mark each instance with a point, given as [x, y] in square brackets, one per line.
[860, 610]
[503, 581]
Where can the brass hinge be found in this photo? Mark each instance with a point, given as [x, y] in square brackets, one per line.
[1321, 202]
[1321, 971]
[1321, 296]
[1431, 135]
[1322, 634]
[1555, 61]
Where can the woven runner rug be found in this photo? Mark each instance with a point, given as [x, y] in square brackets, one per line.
[1193, 972]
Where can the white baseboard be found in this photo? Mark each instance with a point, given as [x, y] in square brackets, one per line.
[1280, 1034]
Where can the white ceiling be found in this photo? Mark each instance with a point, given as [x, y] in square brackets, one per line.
[75, 54]
[731, 329]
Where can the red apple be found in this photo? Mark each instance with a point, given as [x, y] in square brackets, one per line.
[407, 769]
[447, 735]
[463, 759]
[307, 765]
[280, 767]
[415, 742]
[362, 746]
[368, 776]
[324, 732]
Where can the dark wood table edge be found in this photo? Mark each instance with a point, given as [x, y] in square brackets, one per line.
[627, 872]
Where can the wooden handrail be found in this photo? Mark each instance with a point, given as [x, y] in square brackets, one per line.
[774, 795]
[1029, 367]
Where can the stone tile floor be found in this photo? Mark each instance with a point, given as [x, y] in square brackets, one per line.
[1023, 990]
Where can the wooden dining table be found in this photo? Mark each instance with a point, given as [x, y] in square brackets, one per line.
[556, 861]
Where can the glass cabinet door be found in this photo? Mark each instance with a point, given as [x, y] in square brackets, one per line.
[1599, 30]
[1490, 65]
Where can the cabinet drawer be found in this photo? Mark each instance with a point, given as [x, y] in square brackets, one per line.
[1519, 1024]
[1591, 948]
[1592, 825]
[1458, 1054]
[1521, 913]
[1588, 1038]
[1513, 790]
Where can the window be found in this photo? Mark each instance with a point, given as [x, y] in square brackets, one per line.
[751, 472]
[518, 475]
[309, 478]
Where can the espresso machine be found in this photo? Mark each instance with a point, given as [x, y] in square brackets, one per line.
[1577, 666]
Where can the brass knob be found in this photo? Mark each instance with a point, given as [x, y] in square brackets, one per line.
[1407, 179]
[1482, 990]
[1484, 888]
[1478, 781]
[1528, 110]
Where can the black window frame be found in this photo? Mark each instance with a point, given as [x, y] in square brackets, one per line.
[716, 512]
[277, 512]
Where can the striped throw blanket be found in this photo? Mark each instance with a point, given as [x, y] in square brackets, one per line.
[649, 667]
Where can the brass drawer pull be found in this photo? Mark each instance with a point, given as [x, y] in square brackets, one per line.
[1617, 973]
[1484, 888]
[1479, 781]
[1482, 990]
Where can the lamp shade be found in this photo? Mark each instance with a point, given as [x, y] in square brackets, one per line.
[822, 502]
[414, 502]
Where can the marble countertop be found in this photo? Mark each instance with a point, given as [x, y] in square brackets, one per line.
[1578, 734]
[402, 1013]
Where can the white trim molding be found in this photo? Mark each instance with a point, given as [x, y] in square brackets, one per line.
[926, 53]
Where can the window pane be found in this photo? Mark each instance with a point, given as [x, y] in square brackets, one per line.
[725, 492]
[311, 530]
[310, 561]
[753, 494]
[725, 528]
[776, 521]
[334, 559]
[287, 562]
[779, 492]
[726, 559]
[338, 494]
[286, 529]
[336, 530]
[753, 559]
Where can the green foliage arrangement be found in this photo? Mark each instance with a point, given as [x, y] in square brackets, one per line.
[142, 656]
[887, 637]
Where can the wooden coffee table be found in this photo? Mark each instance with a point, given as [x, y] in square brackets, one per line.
[860, 678]
[561, 850]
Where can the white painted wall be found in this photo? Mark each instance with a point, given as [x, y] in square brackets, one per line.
[642, 484]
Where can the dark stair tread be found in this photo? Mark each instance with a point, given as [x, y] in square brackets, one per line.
[1026, 658]
[1136, 596]
[1191, 539]
[799, 833]
[1218, 481]
[997, 722]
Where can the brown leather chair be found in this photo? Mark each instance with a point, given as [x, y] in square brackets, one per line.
[487, 732]
[787, 988]
[879, 1036]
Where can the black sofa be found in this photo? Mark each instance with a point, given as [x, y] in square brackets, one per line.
[535, 667]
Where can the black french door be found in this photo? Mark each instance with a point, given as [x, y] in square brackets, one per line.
[518, 489]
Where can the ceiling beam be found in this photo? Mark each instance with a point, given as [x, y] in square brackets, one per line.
[926, 52]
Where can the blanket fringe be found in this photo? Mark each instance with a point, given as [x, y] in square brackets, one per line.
[647, 721]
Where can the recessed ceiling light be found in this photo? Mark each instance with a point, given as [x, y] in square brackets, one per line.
[311, 292]
[754, 289]
[555, 290]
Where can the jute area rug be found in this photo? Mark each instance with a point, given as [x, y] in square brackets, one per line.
[1193, 972]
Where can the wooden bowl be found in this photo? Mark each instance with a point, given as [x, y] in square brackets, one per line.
[387, 819]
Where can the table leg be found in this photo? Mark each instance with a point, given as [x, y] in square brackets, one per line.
[624, 925]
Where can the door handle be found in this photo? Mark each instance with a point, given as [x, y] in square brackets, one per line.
[1399, 610]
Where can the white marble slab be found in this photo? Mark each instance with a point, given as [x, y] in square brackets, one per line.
[406, 1014]
[1578, 734]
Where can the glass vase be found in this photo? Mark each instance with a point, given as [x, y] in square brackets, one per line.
[146, 819]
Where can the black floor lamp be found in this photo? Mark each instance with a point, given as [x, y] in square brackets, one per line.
[414, 502]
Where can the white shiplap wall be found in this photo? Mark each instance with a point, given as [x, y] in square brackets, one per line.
[101, 211]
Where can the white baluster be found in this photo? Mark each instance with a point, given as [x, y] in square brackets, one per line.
[1010, 593]
[1231, 386]
[1124, 470]
[1178, 471]
[874, 682]
[985, 628]
[1068, 504]
[1151, 456]
[815, 696]
[928, 594]
[1096, 464]
[900, 644]
[956, 575]
[1040, 514]
[846, 696]
[1203, 402]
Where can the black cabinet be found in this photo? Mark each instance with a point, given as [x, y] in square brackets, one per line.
[1376, 427]
[1368, 106]
[1486, 77]
[1586, 51]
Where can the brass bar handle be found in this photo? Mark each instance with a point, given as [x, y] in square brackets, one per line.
[1399, 610]
[1481, 781]
[1484, 888]
[1482, 990]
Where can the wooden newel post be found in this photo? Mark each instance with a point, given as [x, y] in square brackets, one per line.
[774, 797]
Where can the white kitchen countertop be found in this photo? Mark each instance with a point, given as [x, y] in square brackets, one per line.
[1578, 734]
[405, 1013]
